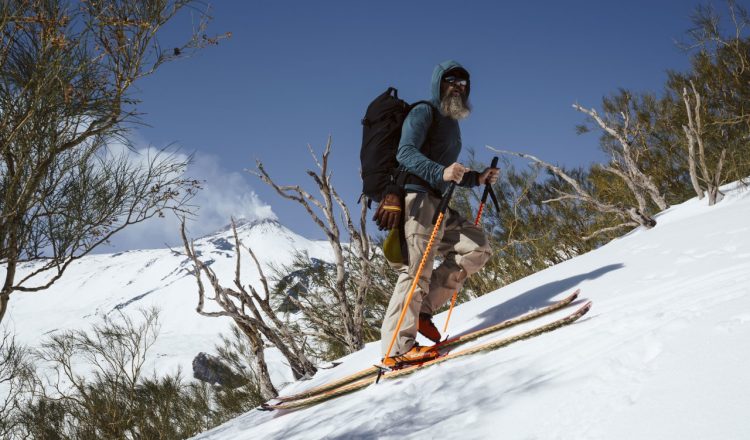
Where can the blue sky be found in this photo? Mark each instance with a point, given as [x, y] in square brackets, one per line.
[295, 72]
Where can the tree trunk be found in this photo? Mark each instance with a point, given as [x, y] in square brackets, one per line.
[350, 331]
[714, 194]
[4, 298]
[691, 163]
[642, 219]
[300, 365]
[264, 377]
[10, 275]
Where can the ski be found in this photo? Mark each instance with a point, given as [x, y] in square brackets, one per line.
[491, 345]
[451, 342]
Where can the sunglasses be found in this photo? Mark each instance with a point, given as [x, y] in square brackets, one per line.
[456, 81]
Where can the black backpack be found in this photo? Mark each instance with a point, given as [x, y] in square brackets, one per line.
[381, 133]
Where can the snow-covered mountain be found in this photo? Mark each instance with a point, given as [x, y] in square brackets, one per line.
[663, 354]
[98, 285]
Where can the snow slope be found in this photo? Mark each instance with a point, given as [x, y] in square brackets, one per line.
[663, 354]
[98, 285]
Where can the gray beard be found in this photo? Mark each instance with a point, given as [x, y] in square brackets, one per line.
[454, 107]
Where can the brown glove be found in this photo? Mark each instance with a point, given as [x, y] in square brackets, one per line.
[389, 212]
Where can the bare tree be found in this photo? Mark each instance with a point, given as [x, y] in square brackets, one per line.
[630, 135]
[631, 216]
[694, 131]
[251, 312]
[714, 95]
[15, 370]
[66, 71]
[348, 306]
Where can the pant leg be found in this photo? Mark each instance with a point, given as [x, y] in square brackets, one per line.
[466, 250]
[419, 209]
[446, 280]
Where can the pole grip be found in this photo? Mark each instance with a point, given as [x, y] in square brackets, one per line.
[443, 206]
[487, 186]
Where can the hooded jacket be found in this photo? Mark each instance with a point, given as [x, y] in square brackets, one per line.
[429, 143]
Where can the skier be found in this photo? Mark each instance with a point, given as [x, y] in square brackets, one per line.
[428, 150]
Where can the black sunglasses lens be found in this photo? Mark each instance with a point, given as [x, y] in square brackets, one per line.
[455, 80]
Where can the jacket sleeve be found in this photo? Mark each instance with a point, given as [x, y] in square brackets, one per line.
[413, 136]
[470, 180]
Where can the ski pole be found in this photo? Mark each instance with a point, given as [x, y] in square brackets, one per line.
[437, 219]
[487, 191]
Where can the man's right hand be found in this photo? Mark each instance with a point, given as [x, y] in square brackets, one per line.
[454, 172]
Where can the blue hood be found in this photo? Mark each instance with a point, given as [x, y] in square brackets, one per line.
[437, 76]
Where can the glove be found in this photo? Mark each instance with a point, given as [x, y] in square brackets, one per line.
[470, 180]
[489, 176]
[389, 212]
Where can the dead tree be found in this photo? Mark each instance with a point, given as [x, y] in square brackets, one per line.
[624, 163]
[349, 306]
[631, 216]
[695, 134]
[252, 313]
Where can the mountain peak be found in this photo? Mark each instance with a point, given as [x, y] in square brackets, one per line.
[248, 225]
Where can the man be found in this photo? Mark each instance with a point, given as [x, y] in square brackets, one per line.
[428, 150]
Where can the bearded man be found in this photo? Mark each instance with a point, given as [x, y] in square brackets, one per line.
[428, 151]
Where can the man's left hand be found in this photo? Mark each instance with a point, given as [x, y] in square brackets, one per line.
[489, 176]
[389, 212]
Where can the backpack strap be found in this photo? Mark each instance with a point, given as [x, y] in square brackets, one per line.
[432, 122]
[404, 176]
[411, 107]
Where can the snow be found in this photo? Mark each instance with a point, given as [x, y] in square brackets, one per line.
[662, 354]
[106, 284]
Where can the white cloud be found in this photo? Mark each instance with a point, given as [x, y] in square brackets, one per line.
[225, 194]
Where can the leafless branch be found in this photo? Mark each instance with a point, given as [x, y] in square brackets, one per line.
[349, 308]
[638, 182]
[582, 195]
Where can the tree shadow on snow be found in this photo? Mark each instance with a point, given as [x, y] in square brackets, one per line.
[535, 298]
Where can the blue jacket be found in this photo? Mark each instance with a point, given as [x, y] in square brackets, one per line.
[428, 145]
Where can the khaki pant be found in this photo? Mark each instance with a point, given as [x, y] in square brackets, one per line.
[464, 249]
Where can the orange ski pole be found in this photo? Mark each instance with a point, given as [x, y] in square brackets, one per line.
[437, 220]
[486, 193]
